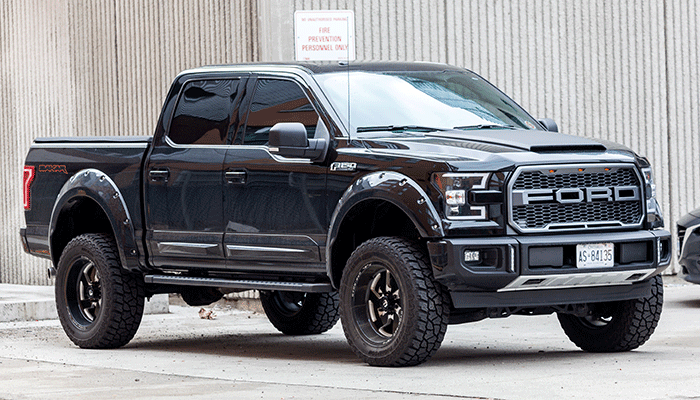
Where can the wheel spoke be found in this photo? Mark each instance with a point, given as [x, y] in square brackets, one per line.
[81, 290]
[89, 308]
[373, 287]
[388, 282]
[389, 322]
[88, 272]
[396, 322]
[372, 311]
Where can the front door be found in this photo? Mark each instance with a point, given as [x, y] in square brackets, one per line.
[274, 207]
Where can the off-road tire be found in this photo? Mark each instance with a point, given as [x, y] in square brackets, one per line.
[394, 324]
[297, 313]
[617, 326]
[99, 304]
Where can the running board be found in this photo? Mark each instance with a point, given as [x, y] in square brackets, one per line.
[239, 284]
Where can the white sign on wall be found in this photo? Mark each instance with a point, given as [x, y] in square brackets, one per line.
[324, 35]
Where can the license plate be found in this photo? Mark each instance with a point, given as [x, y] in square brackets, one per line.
[595, 255]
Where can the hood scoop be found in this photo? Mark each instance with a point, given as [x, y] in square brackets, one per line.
[528, 140]
[567, 148]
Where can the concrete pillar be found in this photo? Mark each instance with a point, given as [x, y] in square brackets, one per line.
[276, 35]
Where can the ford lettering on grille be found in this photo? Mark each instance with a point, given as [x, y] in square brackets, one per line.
[575, 195]
[546, 198]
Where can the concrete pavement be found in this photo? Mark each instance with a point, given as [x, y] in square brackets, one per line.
[240, 355]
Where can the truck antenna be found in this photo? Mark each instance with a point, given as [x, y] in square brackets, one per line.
[347, 52]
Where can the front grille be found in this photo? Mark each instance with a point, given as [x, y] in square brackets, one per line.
[538, 179]
[536, 205]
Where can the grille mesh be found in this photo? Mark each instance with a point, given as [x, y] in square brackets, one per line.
[541, 215]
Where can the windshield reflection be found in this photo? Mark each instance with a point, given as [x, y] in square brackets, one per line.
[440, 99]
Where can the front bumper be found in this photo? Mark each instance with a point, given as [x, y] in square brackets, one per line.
[512, 270]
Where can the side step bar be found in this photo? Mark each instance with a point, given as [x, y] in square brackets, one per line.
[239, 284]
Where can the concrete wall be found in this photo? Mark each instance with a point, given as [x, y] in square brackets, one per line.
[97, 67]
[626, 70]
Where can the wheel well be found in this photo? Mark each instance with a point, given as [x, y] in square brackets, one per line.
[367, 220]
[77, 217]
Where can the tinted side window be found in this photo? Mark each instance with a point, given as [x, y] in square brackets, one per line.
[277, 101]
[203, 112]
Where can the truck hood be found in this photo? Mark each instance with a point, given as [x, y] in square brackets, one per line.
[497, 149]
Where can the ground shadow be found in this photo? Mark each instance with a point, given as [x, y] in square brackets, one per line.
[692, 303]
[255, 345]
[330, 348]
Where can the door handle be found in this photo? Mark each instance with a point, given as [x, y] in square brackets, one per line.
[235, 177]
[159, 174]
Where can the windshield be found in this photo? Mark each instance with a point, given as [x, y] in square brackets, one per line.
[437, 99]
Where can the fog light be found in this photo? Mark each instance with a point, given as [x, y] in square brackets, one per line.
[471, 256]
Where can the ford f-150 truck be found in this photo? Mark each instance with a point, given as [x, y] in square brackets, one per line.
[397, 197]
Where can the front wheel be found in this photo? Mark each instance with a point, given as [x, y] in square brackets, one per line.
[616, 326]
[393, 312]
[99, 304]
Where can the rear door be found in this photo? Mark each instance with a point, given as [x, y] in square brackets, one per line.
[183, 192]
[274, 207]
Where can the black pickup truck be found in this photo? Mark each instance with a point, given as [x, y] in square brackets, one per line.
[400, 197]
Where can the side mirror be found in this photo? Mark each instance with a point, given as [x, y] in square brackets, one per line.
[549, 124]
[288, 139]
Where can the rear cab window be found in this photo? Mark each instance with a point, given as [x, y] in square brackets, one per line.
[204, 113]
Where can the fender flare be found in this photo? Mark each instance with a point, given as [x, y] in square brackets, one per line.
[98, 186]
[395, 188]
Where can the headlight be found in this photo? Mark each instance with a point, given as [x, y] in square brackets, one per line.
[654, 217]
[455, 188]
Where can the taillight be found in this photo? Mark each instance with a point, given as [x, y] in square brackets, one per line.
[28, 179]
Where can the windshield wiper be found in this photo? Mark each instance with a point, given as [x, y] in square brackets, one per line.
[485, 126]
[396, 128]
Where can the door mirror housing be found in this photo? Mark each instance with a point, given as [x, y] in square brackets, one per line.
[288, 139]
[549, 124]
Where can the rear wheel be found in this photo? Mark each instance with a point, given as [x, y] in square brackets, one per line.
[616, 326]
[298, 313]
[99, 304]
[393, 313]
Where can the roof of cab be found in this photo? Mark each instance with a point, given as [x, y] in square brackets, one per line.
[327, 67]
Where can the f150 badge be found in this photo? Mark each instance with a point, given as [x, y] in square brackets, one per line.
[344, 166]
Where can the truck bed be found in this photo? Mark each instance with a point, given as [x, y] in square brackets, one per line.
[56, 159]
